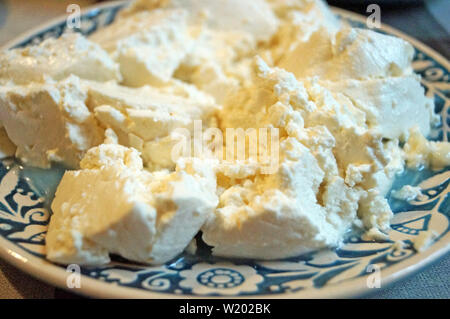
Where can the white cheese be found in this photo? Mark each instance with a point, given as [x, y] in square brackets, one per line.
[149, 45]
[181, 101]
[277, 99]
[421, 152]
[351, 54]
[49, 122]
[145, 118]
[222, 41]
[217, 60]
[192, 247]
[151, 218]
[374, 211]
[57, 59]
[299, 20]
[221, 15]
[375, 234]
[392, 105]
[407, 193]
[252, 213]
[269, 99]
[273, 216]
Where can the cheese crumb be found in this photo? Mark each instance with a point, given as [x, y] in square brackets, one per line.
[408, 193]
[423, 241]
[150, 218]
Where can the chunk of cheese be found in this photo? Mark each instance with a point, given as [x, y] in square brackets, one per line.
[48, 122]
[57, 59]
[351, 54]
[151, 218]
[148, 46]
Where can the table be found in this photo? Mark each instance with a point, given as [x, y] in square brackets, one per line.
[427, 22]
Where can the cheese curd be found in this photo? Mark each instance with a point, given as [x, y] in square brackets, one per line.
[299, 19]
[150, 218]
[334, 136]
[49, 122]
[57, 59]
[350, 54]
[148, 46]
[278, 215]
[221, 15]
[158, 114]
[392, 105]
[148, 119]
[420, 152]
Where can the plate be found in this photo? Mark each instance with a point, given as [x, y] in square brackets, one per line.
[349, 271]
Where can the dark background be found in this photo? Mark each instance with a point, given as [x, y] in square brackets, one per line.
[428, 21]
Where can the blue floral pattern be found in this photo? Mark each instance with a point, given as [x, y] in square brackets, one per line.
[24, 219]
[220, 278]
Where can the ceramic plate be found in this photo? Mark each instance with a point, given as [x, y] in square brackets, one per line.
[344, 272]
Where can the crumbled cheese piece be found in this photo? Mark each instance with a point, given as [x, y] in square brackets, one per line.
[49, 123]
[110, 137]
[398, 245]
[351, 54]
[221, 15]
[374, 211]
[217, 62]
[298, 21]
[419, 151]
[392, 105]
[57, 59]
[148, 119]
[273, 216]
[143, 118]
[277, 99]
[374, 234]
[252, 213]
[354, 174]
[270, 99]
[151, 218]
[408, 193]
[149, 46]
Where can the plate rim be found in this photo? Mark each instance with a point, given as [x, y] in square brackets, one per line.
[40, 27]
[54, 275]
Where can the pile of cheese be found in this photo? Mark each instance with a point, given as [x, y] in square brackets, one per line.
[110, 107]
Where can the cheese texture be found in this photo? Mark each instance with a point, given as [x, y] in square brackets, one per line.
[270, 126]
[148, 119]
[322, 141]
[278, 215]
[392, 105]
[151, 217]
[408, 193]
[57, 59]
[222, 15]
[350, 54]
[148, 46]
[299, 19]
[48, 122]
[421, 152]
